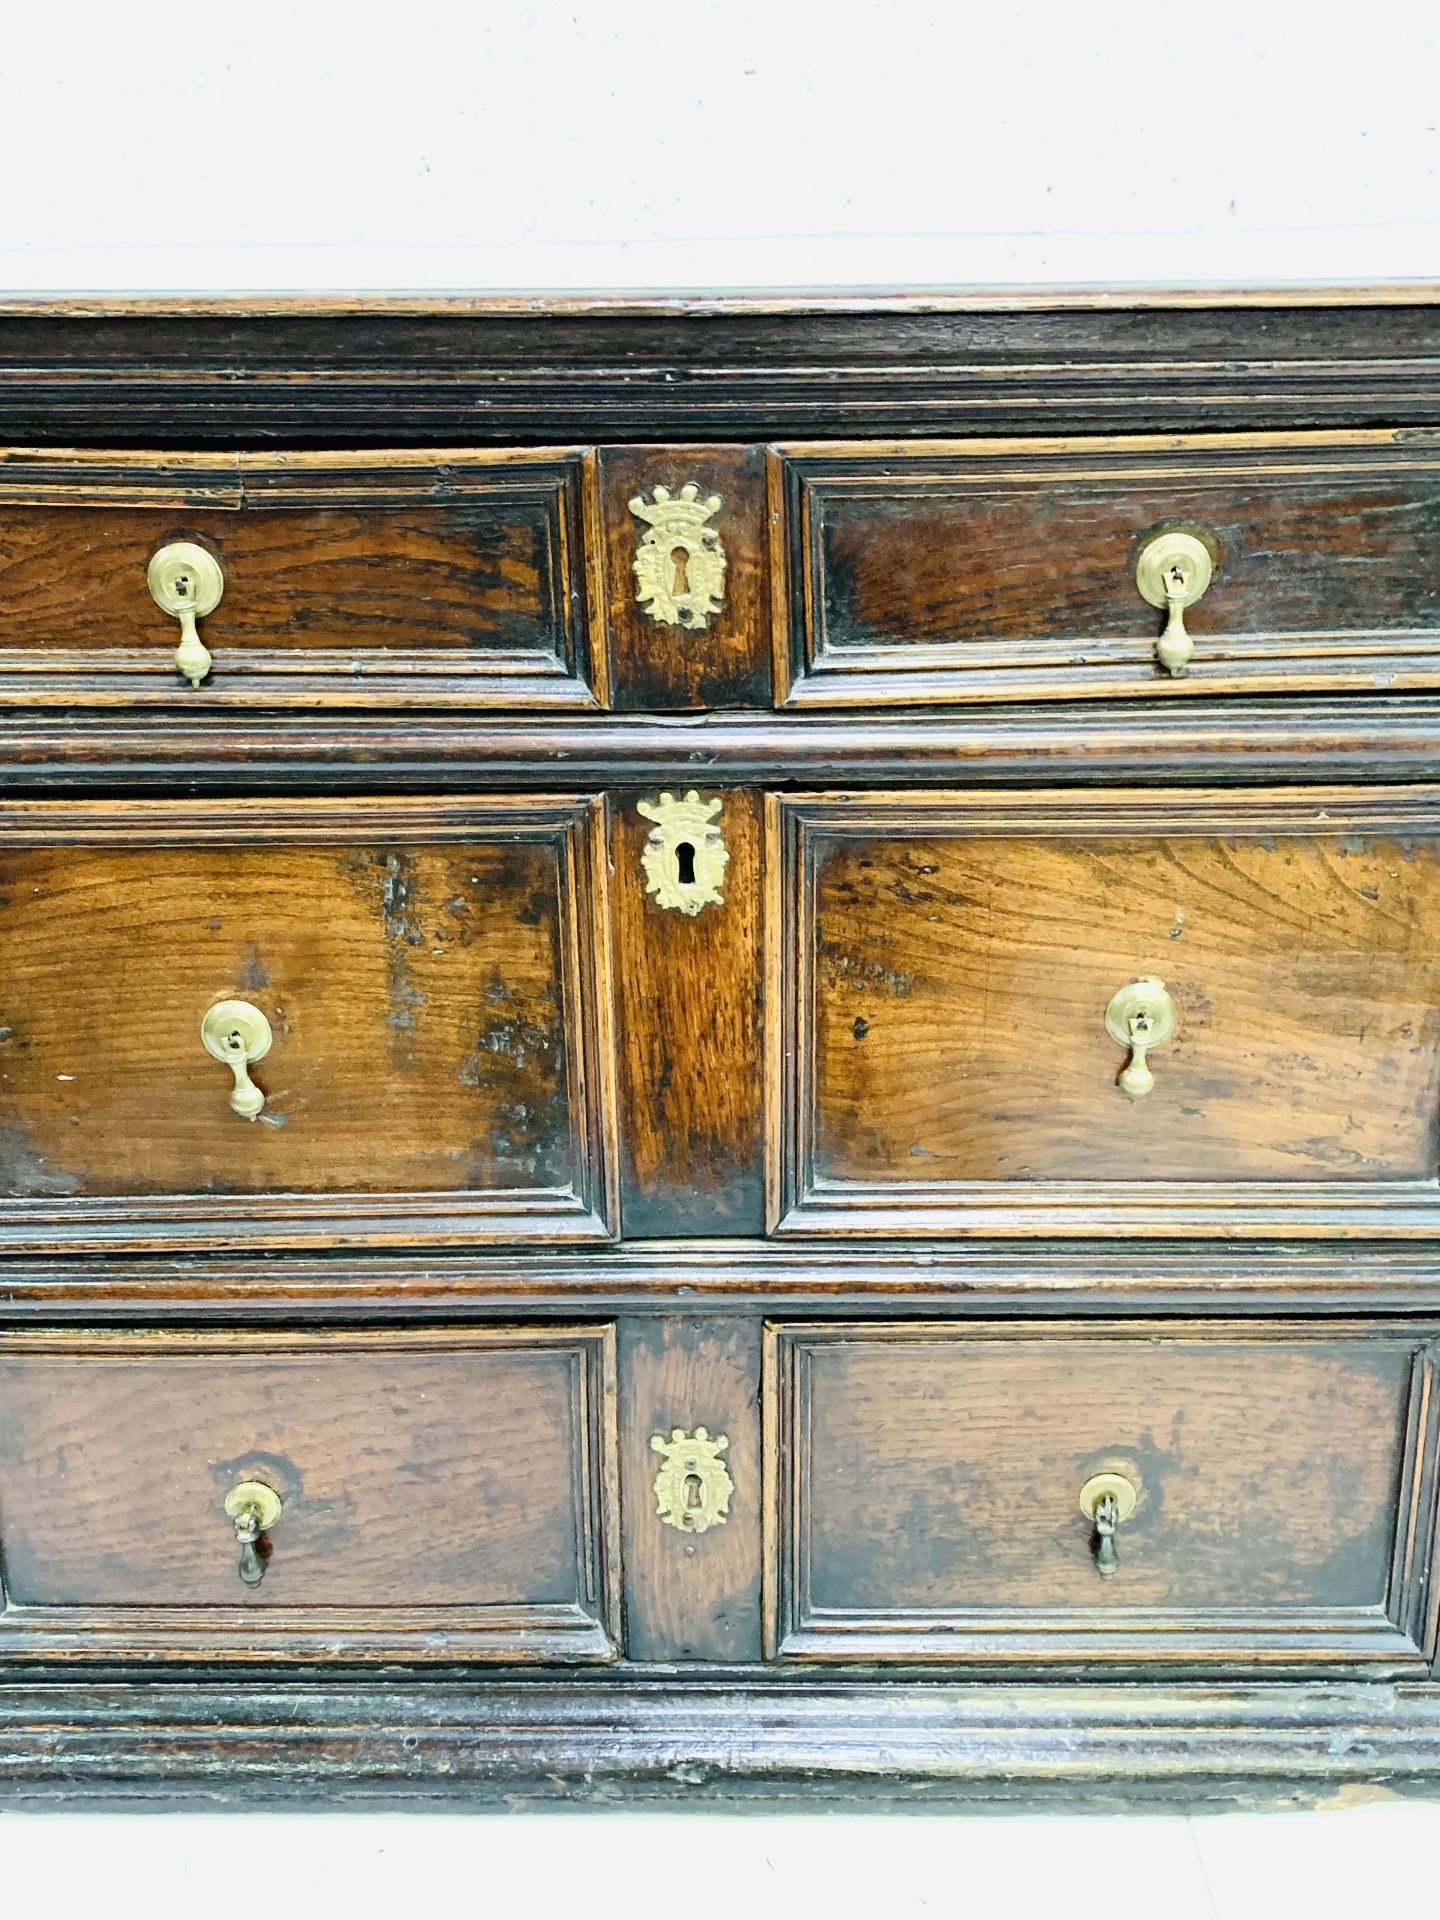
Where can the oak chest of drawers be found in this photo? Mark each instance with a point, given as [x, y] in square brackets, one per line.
[720, 1048]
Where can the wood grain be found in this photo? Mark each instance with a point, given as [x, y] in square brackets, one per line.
[353, 580]
[445, 1495]
[688, 1024]
[946, 964]
[435, 981]
[692, 1598]
[672, 669]
[693, 368]
[1005, 569]
[927, 1485]
[1299, 740]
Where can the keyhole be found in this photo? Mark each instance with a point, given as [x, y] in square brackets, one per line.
[694, 1492]
[685, 862]
[680, 561]
[182, 586]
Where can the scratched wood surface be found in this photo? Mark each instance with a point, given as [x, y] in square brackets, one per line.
[672, 668]
[1006, 569]
[688, 1035]
[433, 1006]
[417, 578]
[961, 980]
[425, 1473]
[937, 1474]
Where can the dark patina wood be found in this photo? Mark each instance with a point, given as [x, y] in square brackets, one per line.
[836, 1167]
[435, 976]
[1002, 570]
[941, 968]
[354, 580]
[541, 369]
[445, 1496]
[924, 1504]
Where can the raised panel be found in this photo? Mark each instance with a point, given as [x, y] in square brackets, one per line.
[942, 966]
[435, 976]
[925, 1493]
[953, 571]
[452, 579]
[444, 1495]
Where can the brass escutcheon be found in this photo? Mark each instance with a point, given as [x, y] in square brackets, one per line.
[685, 855]
[693, 1487]
[679, 563]
[185, 581]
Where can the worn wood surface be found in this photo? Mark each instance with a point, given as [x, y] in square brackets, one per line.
[692, 1598]
[1005, 569]
[463, 1455]
[926, 1494]
[350, 579]
[689, 1743]
[435, 978]
[445, 1495]
[1301, 740]
[749, 1742]
[688, 1030]
[664, 668]
[943, 967]
[537, 369]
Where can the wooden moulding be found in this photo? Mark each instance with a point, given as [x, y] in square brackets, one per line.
[532, 370]
[690, 1743]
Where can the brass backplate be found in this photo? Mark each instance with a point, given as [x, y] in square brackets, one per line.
[1123, 1491]
[679, 563]
[254, 1493]
[185, 578]
[685, 856]
[693, 1487]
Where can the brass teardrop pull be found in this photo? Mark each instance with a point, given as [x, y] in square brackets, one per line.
[186, 582]
[1107, 1500]
[254, 1508]
[1141, 1017]
[1172, 571]
[238, 1034]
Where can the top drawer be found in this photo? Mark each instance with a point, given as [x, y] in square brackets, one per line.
[953, 571]
[436, 579]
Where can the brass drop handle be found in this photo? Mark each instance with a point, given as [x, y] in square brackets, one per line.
[1141, 1017]
[1172, 571]
[1107, 1500]
[254, 1508]
[185, 581]
[238, 1034]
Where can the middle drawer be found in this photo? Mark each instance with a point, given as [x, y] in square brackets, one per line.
[406, 1000]
[1106, 1012]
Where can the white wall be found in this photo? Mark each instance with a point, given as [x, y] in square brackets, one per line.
[715, 142]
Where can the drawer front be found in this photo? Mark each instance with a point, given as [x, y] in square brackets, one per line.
[454, 579]
[441, 1496]
[432, 975]
[947, 969]
[925, 1500]
[1004, 570]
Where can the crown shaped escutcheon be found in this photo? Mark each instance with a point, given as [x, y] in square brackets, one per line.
[679, 563]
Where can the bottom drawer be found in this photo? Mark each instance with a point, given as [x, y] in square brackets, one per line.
[1263, 1497]
[419, 1495]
